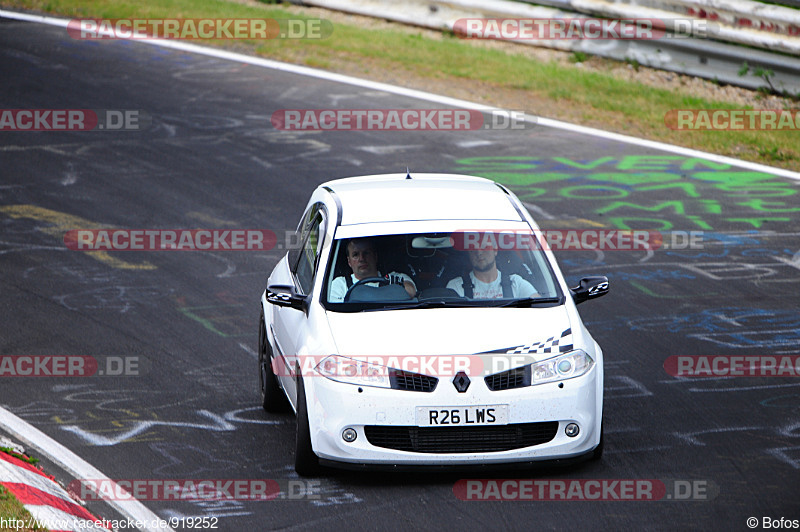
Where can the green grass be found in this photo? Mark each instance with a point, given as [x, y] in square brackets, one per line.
[11, 508]
[408, 57]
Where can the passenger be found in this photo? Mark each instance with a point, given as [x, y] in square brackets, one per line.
[485, 281]
[363, 261]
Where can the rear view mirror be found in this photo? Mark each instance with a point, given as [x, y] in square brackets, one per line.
[590, 288]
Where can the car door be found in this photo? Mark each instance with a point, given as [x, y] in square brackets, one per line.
[291, 325]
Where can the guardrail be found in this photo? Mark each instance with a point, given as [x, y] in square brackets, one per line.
[745, 22]
[692, 56]
[736, 13]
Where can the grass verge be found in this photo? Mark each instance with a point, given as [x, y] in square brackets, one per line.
[509, 77]
[12, 509]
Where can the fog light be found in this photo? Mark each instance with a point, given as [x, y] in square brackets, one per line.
[349, 435]
[572, 430]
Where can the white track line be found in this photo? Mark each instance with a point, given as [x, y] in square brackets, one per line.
[426, 96]
[74, 465]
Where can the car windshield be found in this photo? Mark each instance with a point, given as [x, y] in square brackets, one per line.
[465, 268]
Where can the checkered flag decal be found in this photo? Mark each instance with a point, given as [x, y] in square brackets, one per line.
[554, 344]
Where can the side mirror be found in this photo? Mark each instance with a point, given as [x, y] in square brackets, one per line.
[286, 296]
[590, 288]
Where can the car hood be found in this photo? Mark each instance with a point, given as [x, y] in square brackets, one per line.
[443, 331]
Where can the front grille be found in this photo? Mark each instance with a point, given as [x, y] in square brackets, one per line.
[506, 380]
[481, 439]
[411, 382]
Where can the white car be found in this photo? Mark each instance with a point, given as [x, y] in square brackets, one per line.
[417, 322]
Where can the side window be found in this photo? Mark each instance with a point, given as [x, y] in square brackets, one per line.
[300, 235]
[311, 238]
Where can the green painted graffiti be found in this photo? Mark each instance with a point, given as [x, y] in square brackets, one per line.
[630, 190]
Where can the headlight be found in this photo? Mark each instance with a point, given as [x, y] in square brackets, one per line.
[566, 366]
[348, 370]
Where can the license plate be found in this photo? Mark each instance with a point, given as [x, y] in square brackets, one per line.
[461, 416]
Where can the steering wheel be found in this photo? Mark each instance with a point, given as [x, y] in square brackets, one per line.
[382, 281]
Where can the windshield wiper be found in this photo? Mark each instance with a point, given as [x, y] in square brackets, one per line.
[431, 303]
[531, 301]
[464, 303]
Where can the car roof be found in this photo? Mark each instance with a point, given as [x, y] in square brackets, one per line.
[395, 197]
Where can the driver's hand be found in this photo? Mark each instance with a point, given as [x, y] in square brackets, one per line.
[396, 279]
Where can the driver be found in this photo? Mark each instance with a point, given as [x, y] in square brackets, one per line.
[485, 281]
[363, 260]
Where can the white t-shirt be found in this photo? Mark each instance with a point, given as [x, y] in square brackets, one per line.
[520, 288]
[339, 286]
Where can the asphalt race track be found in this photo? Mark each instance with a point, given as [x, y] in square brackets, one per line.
[210, 158]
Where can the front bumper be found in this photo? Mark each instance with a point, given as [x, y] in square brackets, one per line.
[334, 407]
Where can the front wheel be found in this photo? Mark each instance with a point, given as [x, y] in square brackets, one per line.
[306, 463]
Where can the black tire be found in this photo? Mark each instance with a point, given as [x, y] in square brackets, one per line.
[597, 454]
[273, 399]
[306, 463]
